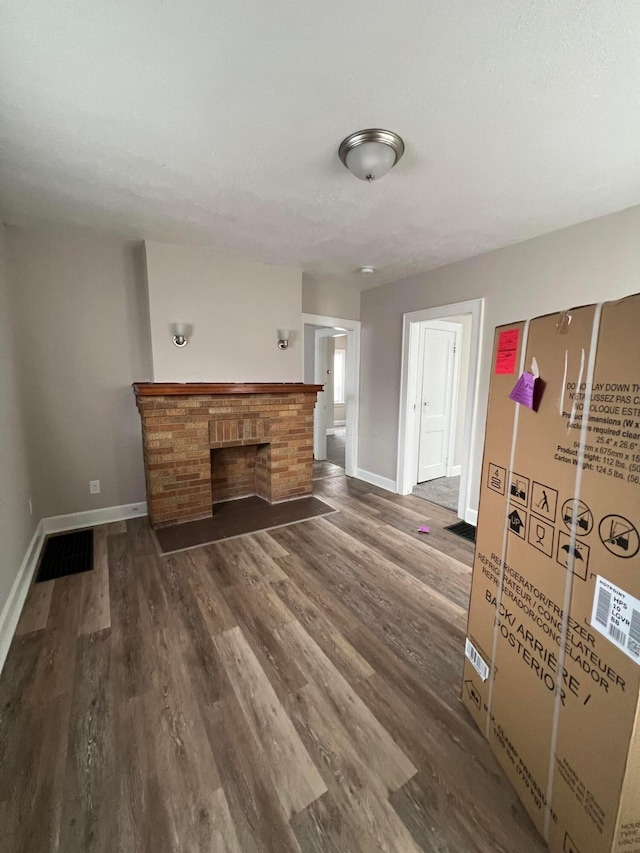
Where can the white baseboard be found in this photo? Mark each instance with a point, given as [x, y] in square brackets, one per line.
[376, 480]
[339, 423]
[75, 520]
[15, 602]
[12, 609]
[471, 517]
[331, 431]
[456, 471]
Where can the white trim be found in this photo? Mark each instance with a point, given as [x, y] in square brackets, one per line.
[456, 470]
[331, 431]
[406, 426]
[352, 383]
[320, 368]
[76, 520]
[10, 615]
[455, 393]
[471, 517]
[339, 423]
[376, 480]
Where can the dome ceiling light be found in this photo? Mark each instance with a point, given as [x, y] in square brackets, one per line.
[370, 154]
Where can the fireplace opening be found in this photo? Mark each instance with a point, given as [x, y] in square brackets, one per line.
[240, 472]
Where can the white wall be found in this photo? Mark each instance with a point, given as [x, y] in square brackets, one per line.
[16, 523]
[328, 301]
[235, 306]
[593, 261]
[79, 316]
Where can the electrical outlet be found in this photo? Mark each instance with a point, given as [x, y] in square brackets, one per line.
[30, 506]
[94, 487]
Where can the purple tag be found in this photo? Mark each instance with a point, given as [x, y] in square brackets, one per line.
[424, 530]
[524, 389]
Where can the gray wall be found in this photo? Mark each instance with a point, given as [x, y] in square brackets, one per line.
[590, 262]
[16, 523]
[328, 301]
[82, 336]
[235, 306]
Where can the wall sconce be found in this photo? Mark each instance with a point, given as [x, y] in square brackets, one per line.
[283, 338]
[181, 333]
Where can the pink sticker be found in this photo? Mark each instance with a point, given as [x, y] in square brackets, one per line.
[507, 351]
[524, 389]
[424, 530]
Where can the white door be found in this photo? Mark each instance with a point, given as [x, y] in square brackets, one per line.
[435, 398]
[320, 412]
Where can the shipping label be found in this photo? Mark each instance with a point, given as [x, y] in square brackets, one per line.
[616, 615]
[507, 351]
[476, 660]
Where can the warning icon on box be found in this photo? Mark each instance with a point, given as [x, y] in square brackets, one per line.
[474, 695]
[569, 846]
[544, 501]
[619, 536]
[575, 512]
[575, 553]
[517, 521]
[497, 478]
[519, 489]
[541, 535]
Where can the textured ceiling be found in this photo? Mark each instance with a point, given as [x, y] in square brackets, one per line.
[219, 122]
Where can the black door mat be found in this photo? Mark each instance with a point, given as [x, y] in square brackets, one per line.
[237, 518]
[66, 554]
[463, 529]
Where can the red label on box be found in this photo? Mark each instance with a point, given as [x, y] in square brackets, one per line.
[507, 351]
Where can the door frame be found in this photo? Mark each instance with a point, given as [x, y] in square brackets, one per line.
[352, 381]
[457, 329]
[319, 435]
[406, 466]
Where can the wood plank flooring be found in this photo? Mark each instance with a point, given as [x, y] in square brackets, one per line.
[291, 691]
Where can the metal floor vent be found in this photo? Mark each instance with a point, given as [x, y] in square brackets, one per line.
[66, 554]
[463, 529]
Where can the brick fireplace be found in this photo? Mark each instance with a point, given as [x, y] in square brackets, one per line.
[206, 443]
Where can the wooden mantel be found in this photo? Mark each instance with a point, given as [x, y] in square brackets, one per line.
[181, 389]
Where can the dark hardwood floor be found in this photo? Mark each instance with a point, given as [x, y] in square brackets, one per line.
[291, 690]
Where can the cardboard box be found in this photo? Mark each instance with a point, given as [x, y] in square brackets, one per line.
[552, 665]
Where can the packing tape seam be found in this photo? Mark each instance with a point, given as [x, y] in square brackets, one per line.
[568, 587]
[496, 627]
[564, 381]
[572, 418]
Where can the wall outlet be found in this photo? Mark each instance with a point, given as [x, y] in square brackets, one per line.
[94, 487]
[30, 506]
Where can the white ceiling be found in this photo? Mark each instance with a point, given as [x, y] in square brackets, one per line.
[218, 121]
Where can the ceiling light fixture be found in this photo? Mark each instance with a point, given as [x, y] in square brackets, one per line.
[366, 270]
[370, 154]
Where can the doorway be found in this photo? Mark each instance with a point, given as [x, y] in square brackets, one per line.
[439, 355]
[335, 428]
[438, 401]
